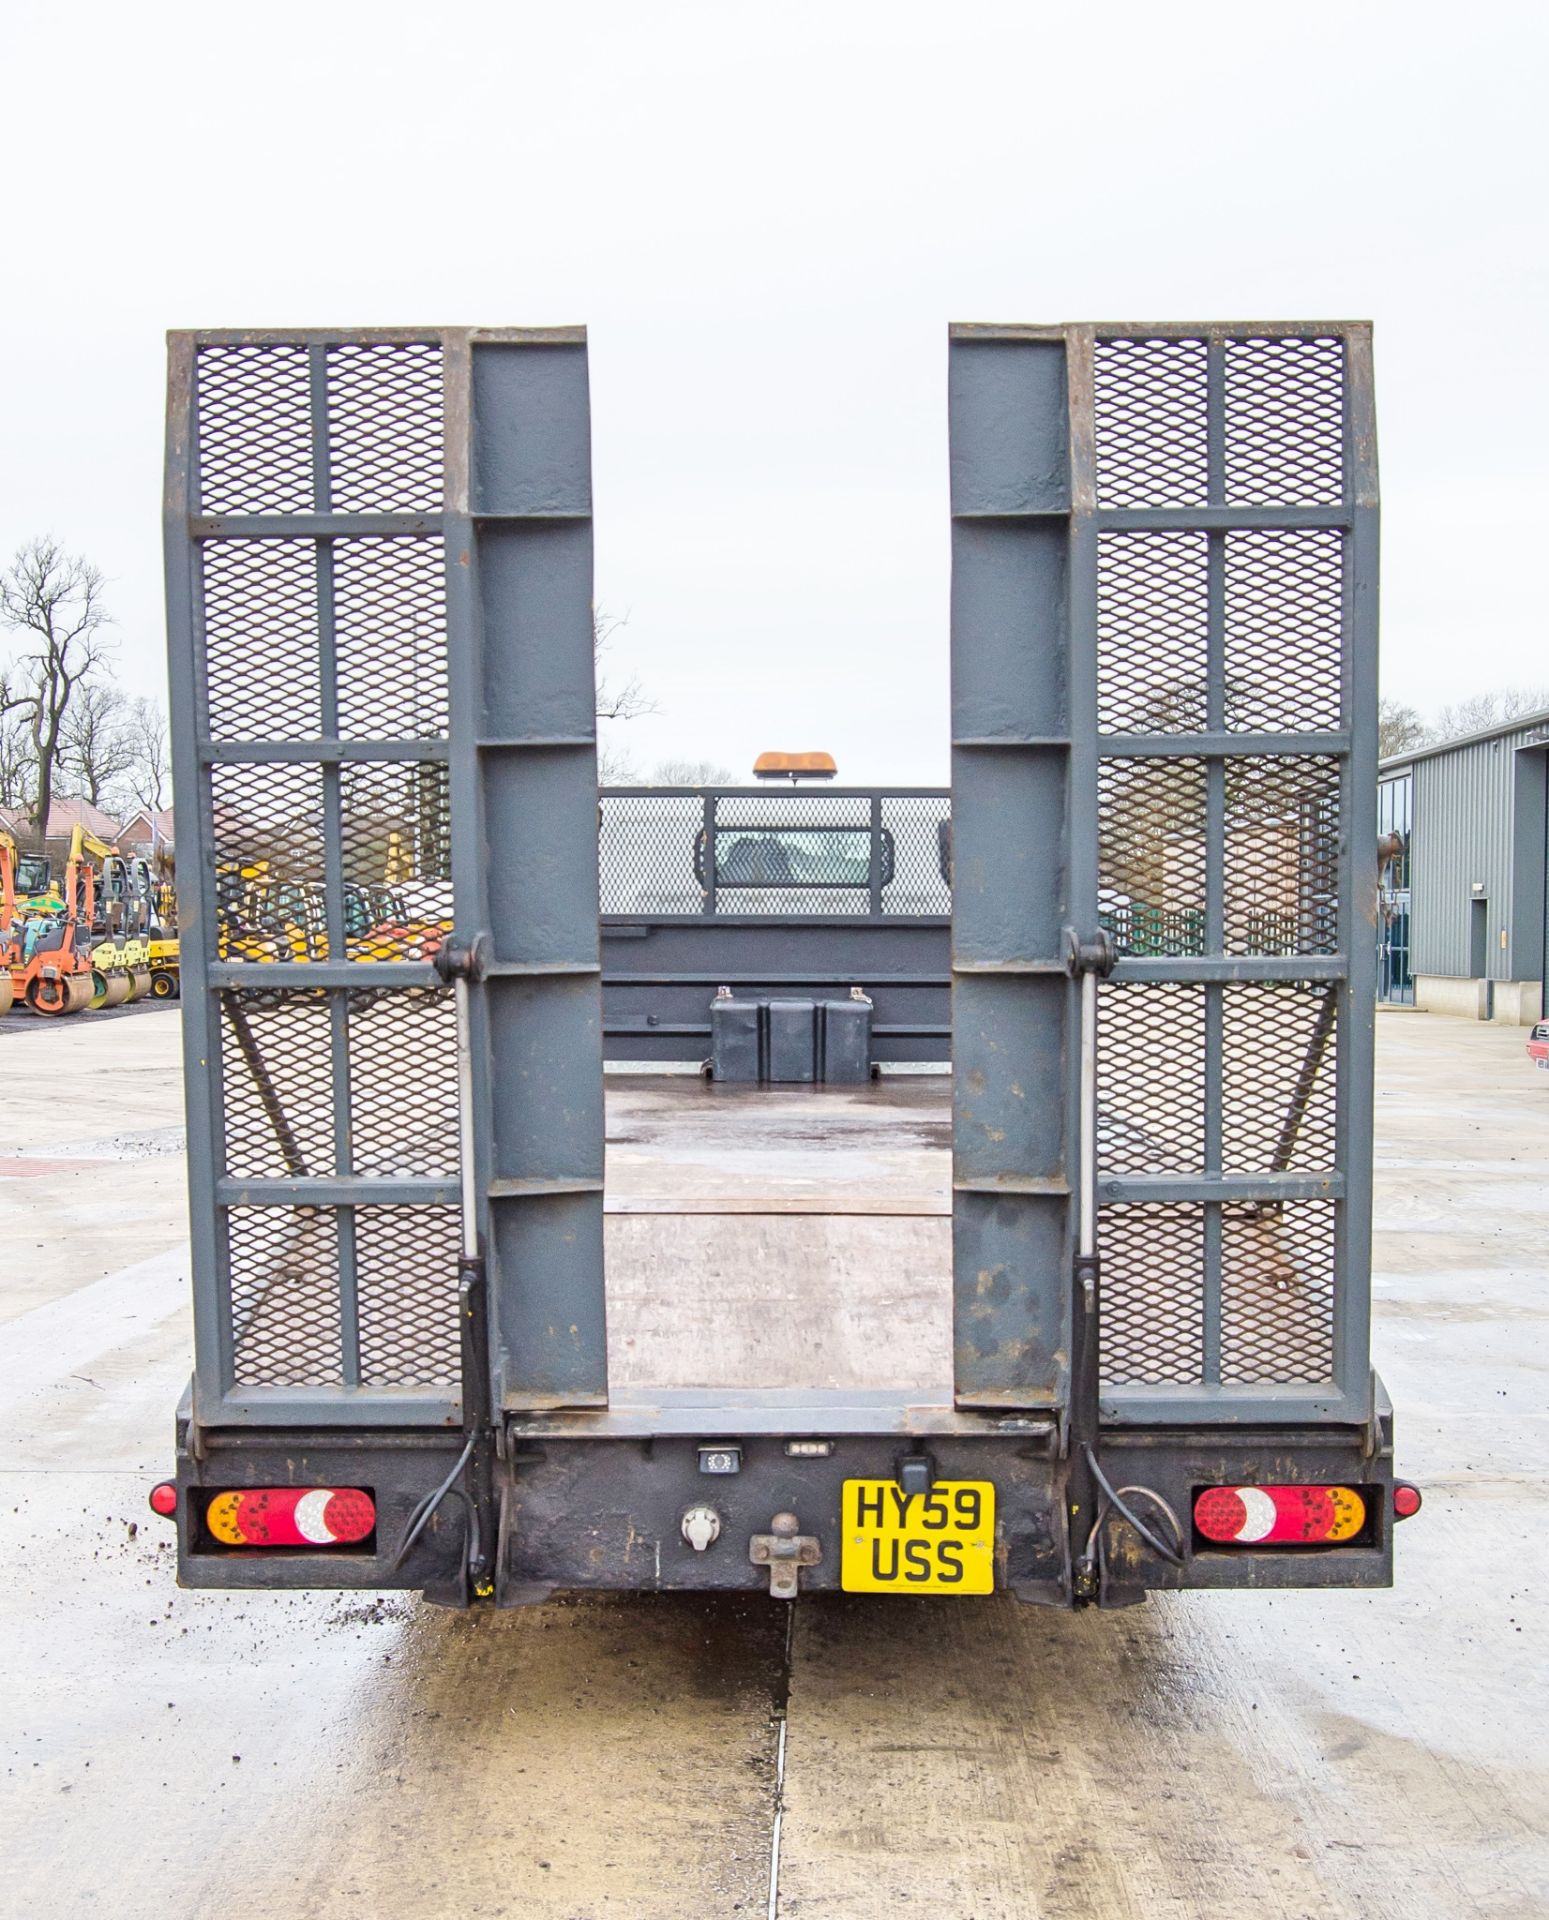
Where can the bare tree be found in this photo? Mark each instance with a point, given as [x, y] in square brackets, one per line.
[18, 763]
[96, 748]
[54, 601]
[616, 767]
[150, 767]
[690, 773]
[1398, 728]
[1482, 710]
[616, 700]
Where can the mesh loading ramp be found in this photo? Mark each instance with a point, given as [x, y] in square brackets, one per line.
[1185, 517]
[1163, 732]
[330, 497]
[1213, 516]
[1227, 689]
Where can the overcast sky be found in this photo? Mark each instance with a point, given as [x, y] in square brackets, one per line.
[766, 217]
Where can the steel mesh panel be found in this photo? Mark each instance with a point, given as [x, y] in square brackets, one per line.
[1209, 631]
[385, 427]
[920, 830]
[299, 638]
[1277, 1293]
[396, 839]
[1285, 422]
[781, 853]
[804, 900]
[402, 1049]
[1151, 1077]
[1279, 1071]
[794, 808]
[1152, 442]
[390, 639]
[1153, 1313]
[406, 1278]
[1282, 855]
[283, 1265]
[260, 606]
[1284, 630]
[276, 1084]
[254, 413]
[645, 850]
[1151, 854]
[1152, 600]
[266, 830]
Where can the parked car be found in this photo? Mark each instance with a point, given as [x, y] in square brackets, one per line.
[1538, 1044]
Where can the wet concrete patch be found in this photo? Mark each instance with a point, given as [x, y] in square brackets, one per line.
[1210, 1757]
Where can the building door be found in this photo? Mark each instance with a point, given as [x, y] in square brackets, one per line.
[1478, 939]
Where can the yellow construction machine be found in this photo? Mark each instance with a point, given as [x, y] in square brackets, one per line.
[111, 903]
[43, 964]
[36, 891]
[7, 918]
[266, 918]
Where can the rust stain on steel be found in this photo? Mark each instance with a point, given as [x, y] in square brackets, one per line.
[992, 1283]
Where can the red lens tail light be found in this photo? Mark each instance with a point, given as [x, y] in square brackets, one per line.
[164, 1499]
[291, 1517]
[1406, 1500]
[1279, 1516]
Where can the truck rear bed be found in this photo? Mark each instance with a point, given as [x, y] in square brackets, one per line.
[538, 1322]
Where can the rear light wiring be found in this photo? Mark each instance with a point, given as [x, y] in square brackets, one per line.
[1093, 1563]
[421, 1517]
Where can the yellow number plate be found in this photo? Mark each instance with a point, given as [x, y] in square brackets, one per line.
[937, 1542]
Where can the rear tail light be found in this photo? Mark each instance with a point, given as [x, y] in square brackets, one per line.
[291, 1517]
[1406, 1500]
[164, 1499]
[1279, 1516]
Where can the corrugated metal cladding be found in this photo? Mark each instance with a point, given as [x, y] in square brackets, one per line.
[1466, 830]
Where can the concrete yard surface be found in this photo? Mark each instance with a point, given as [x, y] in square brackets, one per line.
[1381, 1756]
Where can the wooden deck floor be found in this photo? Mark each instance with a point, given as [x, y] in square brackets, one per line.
[780, 1237]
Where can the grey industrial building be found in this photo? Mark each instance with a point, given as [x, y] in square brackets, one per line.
[1465, 847]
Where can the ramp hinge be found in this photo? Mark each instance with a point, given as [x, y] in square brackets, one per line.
[463, 958]
[1097, 955]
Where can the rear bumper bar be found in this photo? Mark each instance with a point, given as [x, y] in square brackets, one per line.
[607, 1513]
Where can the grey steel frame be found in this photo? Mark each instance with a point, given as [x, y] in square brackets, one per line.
[516, 532]
[517, 538]
[1026, 521]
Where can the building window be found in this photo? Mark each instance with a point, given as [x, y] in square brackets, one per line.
[1395, 824]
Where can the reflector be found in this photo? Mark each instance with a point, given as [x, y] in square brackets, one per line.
[291, 1516]
[1279, 1516]
[1406, 1500]
[164, 1499]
